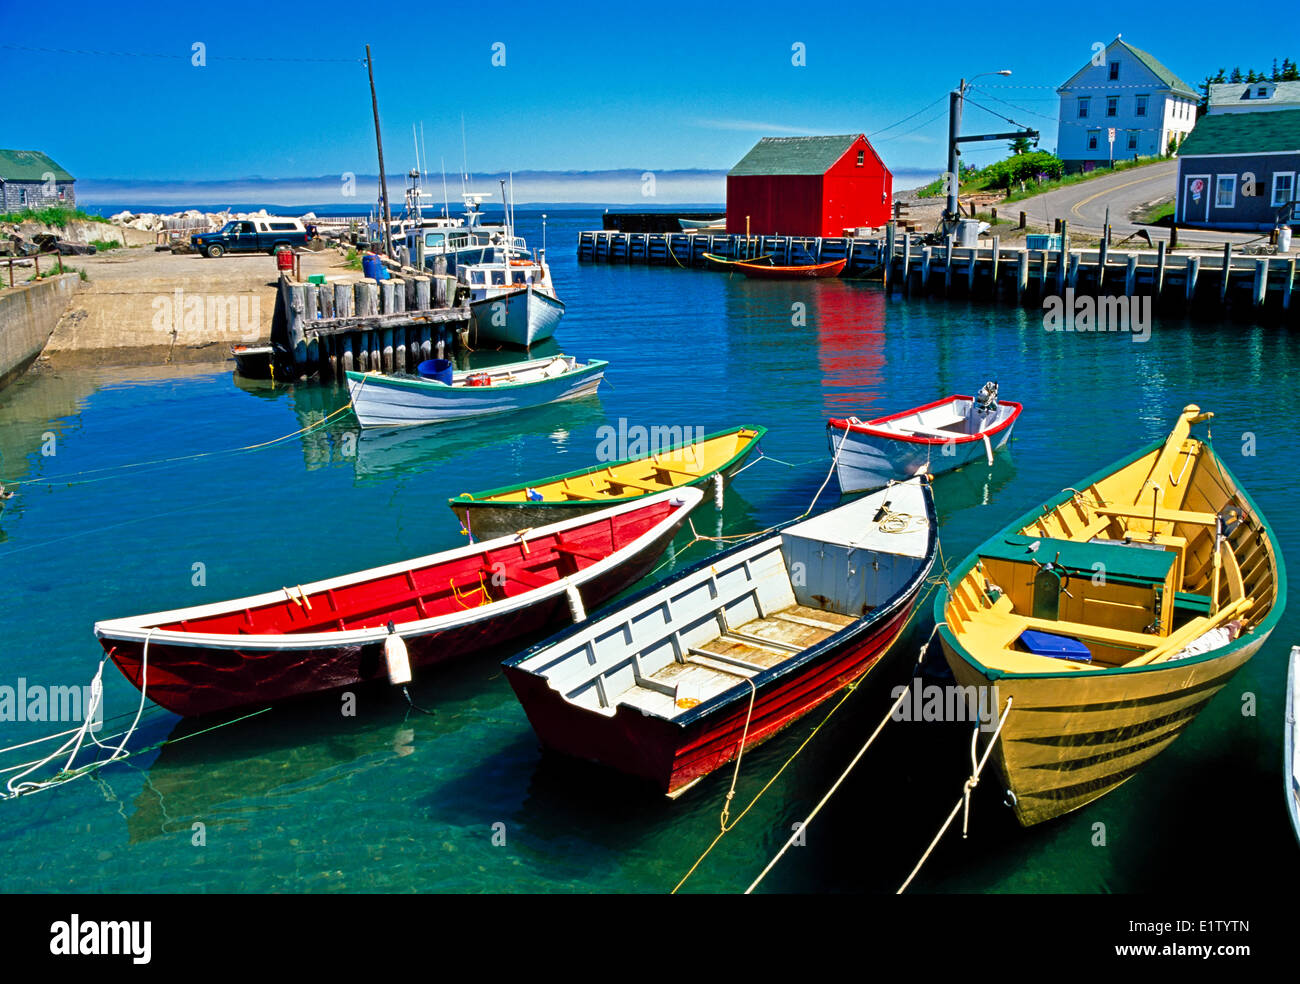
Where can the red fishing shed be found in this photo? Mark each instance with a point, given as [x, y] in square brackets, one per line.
[809, 186]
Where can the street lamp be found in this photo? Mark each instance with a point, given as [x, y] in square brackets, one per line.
[955, 99]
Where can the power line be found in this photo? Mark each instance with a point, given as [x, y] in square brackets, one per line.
[165, 55]
[924, 123]
[906, 118]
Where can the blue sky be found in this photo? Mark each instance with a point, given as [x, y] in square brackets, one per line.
[585, 86]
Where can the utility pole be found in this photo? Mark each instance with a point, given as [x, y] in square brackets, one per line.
[954, 130]
[383, 179]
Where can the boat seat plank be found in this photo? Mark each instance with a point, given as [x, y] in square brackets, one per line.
[817, 614]
[630, 483]
[668, 469]
[574, 550]
[1161, 515]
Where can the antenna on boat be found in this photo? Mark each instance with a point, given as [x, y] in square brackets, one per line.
[464, 159]
[424, 152]
[446, 205]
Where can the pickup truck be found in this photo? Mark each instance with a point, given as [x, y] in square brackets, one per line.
[259, 235]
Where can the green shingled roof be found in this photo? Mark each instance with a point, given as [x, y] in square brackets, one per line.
[1244, 133]
[29, 165]
[794, 155]
[1167, 77]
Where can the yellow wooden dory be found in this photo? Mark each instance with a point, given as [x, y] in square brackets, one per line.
[1110, 616]
[498, 512]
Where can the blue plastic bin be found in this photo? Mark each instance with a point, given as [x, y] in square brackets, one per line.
[1055, 646]
[436, 369]
[373, 267]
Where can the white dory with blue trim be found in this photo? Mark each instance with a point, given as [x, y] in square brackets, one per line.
[931, 439]
[403, 401]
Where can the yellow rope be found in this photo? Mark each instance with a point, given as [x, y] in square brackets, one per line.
[848, 692]
[460, 599]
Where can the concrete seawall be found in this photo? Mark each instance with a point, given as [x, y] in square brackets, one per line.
[28, 316]
[141, 305]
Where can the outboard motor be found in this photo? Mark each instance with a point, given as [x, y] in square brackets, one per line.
[987, 399]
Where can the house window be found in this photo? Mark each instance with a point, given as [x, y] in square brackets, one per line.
[1225, 191]
[1112, 105]
[1262, 93]
[1092, 139]
[1083, 107]
[1132, 140]
[1283, 188]
[1114, 71]
[862, 157]
[1141, 109]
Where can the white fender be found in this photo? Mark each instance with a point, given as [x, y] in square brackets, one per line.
[399, 660]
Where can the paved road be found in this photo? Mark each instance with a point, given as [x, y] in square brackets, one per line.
[1084, 206]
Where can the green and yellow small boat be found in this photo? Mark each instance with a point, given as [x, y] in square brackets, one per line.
[1109, 617]
[711, 458]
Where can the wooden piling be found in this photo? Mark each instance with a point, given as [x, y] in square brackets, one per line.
[310, 310]
[349, 360]
[1161, 259]
[1261, 281]
[1286, 287]
[1022, 274]
[1130, 275]
[997, 256]
[1103, 253]
[366, 298]
[1227, 273]
[295, 302]
[343, 301]
[947, 265]
[1193, 272]
[926, 255]
[890, 233]
[1072, 279]
[1064, 261]
[907, 260]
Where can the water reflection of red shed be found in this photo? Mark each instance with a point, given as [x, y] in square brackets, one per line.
[808, 186]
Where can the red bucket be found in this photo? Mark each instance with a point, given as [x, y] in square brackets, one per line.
[284, 259]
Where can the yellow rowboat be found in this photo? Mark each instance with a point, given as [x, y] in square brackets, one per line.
[500, 512]
[1109, 616]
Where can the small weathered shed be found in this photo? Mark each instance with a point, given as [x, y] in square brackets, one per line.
[30, 179]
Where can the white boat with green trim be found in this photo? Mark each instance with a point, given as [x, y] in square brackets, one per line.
[402, 401]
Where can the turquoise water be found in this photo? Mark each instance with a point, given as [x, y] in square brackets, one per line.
[303, 799]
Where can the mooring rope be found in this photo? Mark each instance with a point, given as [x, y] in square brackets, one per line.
[963, 804]
[807, 822]
[16, 787]
[65, 479]
[849, 690]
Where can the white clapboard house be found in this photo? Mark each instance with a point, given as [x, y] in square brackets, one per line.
[1125, 90]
